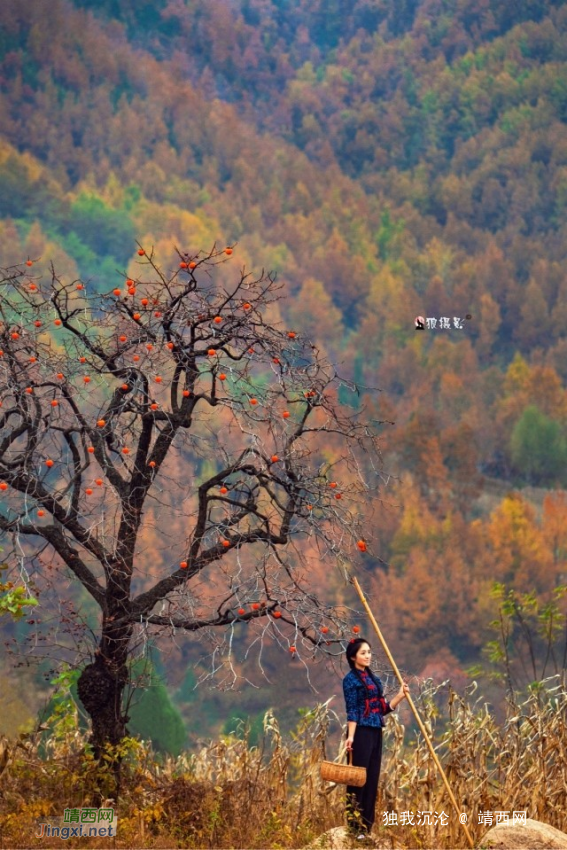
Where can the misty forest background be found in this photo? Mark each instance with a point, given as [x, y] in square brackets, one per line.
[387, 160]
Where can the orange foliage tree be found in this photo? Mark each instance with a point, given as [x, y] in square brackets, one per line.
[173, 411]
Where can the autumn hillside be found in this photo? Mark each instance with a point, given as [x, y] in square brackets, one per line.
[387, 161]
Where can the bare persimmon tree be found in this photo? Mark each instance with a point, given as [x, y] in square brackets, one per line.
[177, 409]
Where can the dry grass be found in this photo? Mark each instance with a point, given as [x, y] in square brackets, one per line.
[233, 795]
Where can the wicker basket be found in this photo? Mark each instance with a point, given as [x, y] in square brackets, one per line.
[345, 774]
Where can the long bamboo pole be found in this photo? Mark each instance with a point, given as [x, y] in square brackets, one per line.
[412, 706]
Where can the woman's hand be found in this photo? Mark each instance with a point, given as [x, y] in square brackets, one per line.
[403, 693]
[351, 729]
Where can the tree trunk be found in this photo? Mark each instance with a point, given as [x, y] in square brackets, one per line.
[100, 688]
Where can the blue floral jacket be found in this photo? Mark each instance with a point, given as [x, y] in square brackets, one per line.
[365, 705]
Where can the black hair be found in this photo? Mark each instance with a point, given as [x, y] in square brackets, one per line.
[352, 649]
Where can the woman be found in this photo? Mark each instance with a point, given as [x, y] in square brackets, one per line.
[365, 708]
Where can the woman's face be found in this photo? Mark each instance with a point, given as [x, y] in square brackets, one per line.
[363, 656]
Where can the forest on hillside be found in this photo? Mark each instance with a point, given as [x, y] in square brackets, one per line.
[385, 161]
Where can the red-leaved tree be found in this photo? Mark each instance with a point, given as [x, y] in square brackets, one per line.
[175, 409]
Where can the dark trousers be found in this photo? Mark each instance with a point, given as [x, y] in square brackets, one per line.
[366, 752]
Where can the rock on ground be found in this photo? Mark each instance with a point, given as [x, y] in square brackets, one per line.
[339, 838]
[534, 835]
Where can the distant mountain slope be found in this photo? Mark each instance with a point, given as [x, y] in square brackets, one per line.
[448, 120]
